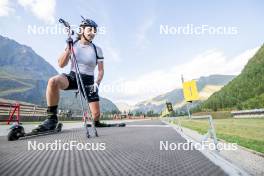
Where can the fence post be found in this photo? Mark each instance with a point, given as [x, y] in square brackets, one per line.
[211, 130]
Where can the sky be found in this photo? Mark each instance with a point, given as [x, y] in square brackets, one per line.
[147, 44]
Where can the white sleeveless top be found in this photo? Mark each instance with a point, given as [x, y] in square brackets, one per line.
[86, 57]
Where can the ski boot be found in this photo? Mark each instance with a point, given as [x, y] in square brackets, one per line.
[47, 125]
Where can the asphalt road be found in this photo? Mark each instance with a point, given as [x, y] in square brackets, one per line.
[132, 150]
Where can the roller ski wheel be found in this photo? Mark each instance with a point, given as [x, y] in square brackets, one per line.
[59, 127]
[16, 131]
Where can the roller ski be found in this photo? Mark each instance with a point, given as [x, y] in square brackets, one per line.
[99, 124]
[49, 126]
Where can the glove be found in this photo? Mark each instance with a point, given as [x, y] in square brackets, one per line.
[69, 42]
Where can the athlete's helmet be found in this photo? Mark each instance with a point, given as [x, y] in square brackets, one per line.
[88, 22]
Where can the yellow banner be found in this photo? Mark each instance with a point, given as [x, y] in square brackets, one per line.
[190, 91]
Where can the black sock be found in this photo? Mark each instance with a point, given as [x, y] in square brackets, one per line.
[52, 112]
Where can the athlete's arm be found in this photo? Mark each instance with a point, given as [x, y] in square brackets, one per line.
[100, 72]
[64, 58]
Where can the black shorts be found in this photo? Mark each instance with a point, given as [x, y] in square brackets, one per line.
[88, 82]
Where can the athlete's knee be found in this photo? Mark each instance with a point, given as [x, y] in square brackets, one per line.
[53, 83]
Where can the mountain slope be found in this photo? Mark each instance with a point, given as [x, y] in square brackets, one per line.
[23, 73]
[69, 101]
[206, 87]
[122, 106]
[24, 76]
[246, 91]
[17, 59]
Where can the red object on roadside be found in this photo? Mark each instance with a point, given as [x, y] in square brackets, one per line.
[84, 116]
[15, 109]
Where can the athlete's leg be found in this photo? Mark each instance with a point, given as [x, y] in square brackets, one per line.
[52, 94]
[95, 110]
[55, 84]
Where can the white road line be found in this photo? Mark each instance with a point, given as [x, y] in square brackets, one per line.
[166, 126]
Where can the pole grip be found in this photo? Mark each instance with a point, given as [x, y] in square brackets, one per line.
[65, 23]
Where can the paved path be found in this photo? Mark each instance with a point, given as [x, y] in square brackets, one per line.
[133, 150]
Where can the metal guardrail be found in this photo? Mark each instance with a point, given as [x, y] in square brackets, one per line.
[210, 132]
[5, 109]
[252, 113]
[29, 112]
[18, 110]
